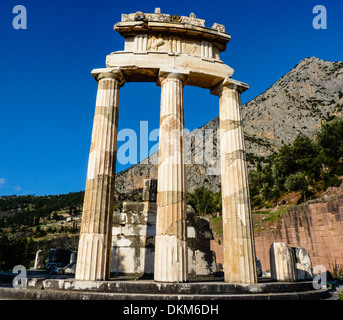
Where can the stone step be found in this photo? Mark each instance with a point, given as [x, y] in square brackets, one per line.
[37, 294]
[152, 287]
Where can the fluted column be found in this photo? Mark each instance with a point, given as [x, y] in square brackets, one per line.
[238, 237]
[93, 260]
[171, 237]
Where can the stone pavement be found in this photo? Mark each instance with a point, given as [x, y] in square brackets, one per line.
[46, 287]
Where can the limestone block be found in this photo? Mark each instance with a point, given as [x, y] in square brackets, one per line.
[134, 230]
[39, 261]
[130, 44]
[72, 257]
[303, 264]
[134, 218]
[282, 262]
[138, 239]
[136, 207]
[191, 232]
[116, 230]
[119, 218]
[121, 241]
[123, 260]
[129, 260]
[203, 73]
[205, 262]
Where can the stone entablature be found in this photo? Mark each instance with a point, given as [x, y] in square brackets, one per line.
[146, 33]
[159, 42]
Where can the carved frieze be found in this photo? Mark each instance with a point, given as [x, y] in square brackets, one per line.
[219, 27]
[161, 17]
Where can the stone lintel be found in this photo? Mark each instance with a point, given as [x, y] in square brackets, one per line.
[201, 72]
[113, 73]
[231, 84]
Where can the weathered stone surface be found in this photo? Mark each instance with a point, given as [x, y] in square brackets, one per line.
[170, 241]
[69, 289]
[133, 243]
[303, 264]
[282, 262]
[39, 261]
[150, 190]
[316, 226]
[238, 237]
[93, 261]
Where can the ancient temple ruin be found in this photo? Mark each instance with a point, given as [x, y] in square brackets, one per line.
[172, 51]
[133, 239]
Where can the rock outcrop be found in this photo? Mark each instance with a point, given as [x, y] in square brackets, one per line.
[299, 102]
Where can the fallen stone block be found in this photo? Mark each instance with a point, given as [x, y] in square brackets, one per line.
[282, 263]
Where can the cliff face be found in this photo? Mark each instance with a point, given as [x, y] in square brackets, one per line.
[297, 103]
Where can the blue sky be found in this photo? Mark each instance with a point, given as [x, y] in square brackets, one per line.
[47, 94]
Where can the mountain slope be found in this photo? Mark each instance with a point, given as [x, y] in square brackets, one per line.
[299, 102]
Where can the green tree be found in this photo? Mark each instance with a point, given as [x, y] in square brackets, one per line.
[203, 201]
[297, 182]
[330, 140]
[307, 157]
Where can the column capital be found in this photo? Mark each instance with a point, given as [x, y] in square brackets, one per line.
[172, 74]
[230, 84]
[109, 73]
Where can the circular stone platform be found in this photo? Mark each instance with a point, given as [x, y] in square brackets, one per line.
[71, 289]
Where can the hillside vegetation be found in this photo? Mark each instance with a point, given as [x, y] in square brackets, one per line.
[29, 223]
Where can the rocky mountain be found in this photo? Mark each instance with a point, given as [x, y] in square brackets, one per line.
[299, 102]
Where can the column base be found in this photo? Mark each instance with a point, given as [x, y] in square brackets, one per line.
[92, 264]
[170, 259]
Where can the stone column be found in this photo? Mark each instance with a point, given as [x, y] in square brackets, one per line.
[238, 237]
[282, 263]
[171, 233]
[93, 261]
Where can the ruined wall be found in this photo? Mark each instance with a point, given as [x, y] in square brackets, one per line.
[316, 226]
[133, 241]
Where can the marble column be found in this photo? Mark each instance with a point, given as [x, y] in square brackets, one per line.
[171, 232]
[93, 260]
[238, 237]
